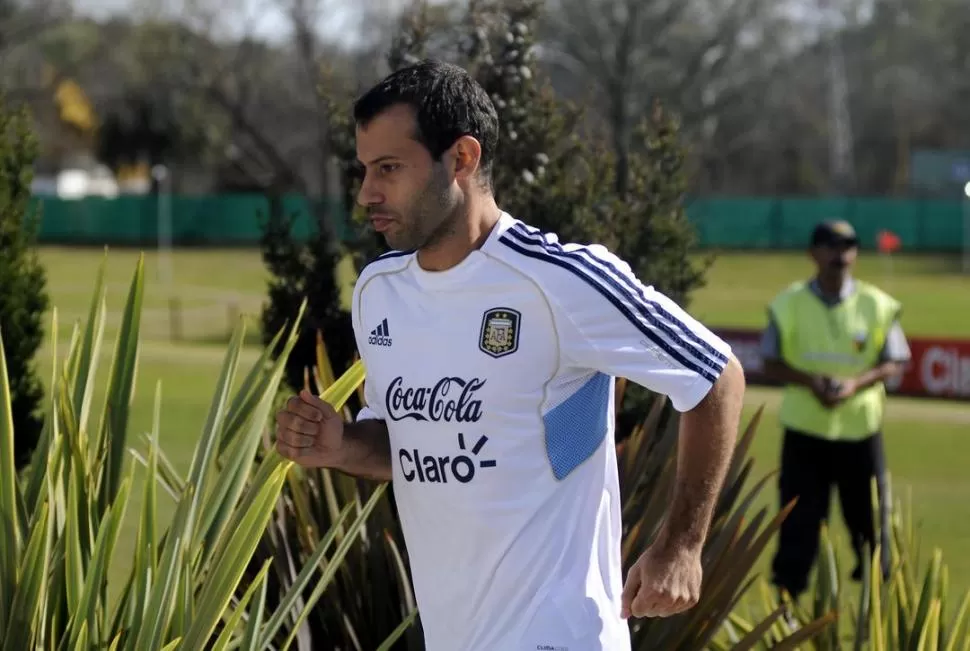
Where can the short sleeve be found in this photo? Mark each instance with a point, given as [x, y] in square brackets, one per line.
[374, 409]
[770, 346]
[614, 324]
[896, 348]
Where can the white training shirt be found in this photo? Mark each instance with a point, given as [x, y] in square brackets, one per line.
[495, 379]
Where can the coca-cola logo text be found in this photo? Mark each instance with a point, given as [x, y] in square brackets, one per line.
[451, 399]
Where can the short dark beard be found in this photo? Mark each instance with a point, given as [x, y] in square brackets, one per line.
[436, 200]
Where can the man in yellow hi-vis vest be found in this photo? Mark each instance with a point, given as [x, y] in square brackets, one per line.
[832, 342]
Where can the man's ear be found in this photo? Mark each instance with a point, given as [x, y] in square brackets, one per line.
[815, 255]
[467, 158]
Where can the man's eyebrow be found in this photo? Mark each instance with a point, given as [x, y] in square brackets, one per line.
[379, 159]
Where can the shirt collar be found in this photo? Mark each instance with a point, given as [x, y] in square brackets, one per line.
[848, 288]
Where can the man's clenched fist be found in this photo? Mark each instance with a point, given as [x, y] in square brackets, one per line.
[664, 581]
[310, 432]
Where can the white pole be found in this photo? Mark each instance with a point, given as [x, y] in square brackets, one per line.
[160, 172]
[966, 229]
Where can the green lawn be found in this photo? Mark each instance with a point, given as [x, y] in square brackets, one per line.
[927, 441]
[210, 287]
[740, 286]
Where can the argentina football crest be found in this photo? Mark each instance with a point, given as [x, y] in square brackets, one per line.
[500, 332]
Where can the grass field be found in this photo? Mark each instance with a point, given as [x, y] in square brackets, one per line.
[928, 442]
[741, 285]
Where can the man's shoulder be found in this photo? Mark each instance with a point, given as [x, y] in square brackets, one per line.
[882, 301]
[559, 267]
[789, 293]
[877, 293]
[388, 262]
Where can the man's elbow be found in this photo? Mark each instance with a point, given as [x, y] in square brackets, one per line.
[893, 369]
[774, 370]
[728, 389]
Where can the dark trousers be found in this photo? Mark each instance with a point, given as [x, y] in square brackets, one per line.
[810, 468]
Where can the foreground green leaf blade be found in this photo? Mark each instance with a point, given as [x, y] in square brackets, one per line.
[958, 623]
[237, 467]
[89, 354]
[42, 456]
[229, 565]
[926, 601]
[256, 615]
[13, 540]
[146, 556]
[206, 447]
[396, 634]
[87, 607]
[250, 390]
[113, 430]
[302, 580]
[335, 563]
[26, 611]
[340, 391]
[73, 559]
[161, 603]
[259, 583]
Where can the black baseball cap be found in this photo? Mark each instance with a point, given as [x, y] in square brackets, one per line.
[834, 232]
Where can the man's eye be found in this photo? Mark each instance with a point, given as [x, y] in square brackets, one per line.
[387, 168]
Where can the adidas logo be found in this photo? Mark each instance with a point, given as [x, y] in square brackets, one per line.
[380, 336]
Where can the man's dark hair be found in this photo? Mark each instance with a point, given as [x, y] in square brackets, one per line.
[448, 104]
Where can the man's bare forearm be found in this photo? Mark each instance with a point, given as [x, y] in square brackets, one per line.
[880, 373]
[708, 434]
[367, 450]
[779, 371]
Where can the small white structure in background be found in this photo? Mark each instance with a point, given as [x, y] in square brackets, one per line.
[79, 183]
[102, 183]
[72, 184]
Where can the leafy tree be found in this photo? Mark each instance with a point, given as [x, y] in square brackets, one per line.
[23, 297]
[304, 269]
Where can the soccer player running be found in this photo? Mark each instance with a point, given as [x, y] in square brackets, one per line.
[490, 350]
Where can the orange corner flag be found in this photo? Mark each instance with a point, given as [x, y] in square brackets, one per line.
[889, 242]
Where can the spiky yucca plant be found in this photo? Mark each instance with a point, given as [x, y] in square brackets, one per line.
[371, 602]
[62, 518]
[906, 612]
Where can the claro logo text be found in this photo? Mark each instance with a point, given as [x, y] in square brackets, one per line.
[417, 466]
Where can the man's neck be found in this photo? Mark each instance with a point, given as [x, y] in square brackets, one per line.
[832, 284]
[470, 234]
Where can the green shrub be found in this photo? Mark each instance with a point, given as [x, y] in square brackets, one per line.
[62, 519]
[303, 272]
[906, 612]
[23, 296]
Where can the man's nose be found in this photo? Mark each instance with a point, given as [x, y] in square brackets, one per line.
[369, 195]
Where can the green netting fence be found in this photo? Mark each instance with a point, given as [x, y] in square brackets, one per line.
[721, 223]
